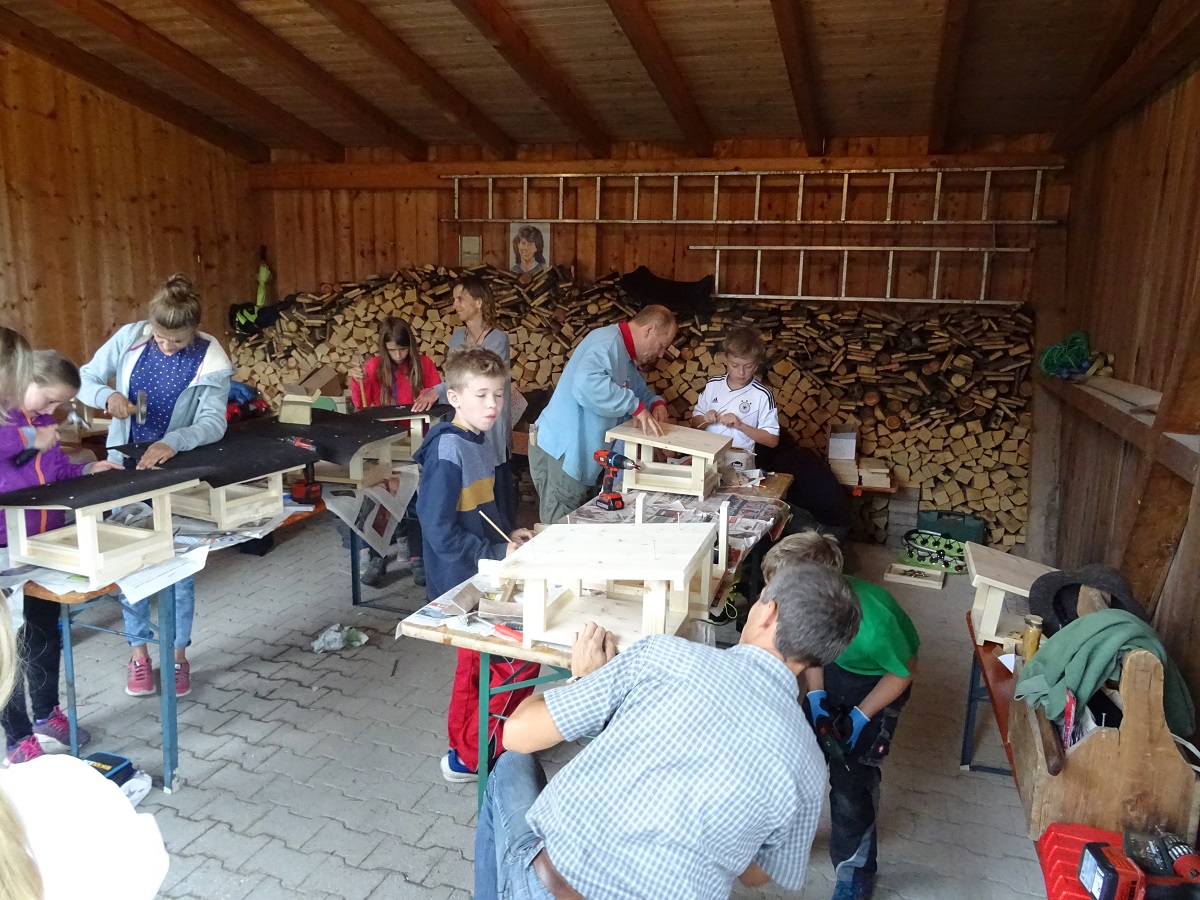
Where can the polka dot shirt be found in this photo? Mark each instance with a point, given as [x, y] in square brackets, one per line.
[163, 378]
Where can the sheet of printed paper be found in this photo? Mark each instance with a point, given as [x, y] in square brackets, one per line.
[150, 580]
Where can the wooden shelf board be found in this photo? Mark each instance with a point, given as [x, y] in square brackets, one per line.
[620, 552]
[689, 441]
[1179, 453]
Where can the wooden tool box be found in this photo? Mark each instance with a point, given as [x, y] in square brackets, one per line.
[697, 477]
[1132, 777]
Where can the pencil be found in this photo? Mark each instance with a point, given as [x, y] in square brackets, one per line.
[499, 531]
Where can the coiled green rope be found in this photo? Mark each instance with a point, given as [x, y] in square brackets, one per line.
[1069, 357]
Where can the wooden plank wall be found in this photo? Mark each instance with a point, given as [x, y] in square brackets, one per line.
[329, 236]
[1132, 266]
[1133, 272]
[100, 203]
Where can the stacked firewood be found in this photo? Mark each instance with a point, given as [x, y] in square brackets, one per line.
[940, 393]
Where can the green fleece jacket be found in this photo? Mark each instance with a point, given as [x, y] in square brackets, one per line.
[1088, 652]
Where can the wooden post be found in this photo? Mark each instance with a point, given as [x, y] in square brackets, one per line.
[1045, 486]
[535, 610]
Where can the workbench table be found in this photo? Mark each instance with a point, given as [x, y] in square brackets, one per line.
[74, 603]
[559, 659]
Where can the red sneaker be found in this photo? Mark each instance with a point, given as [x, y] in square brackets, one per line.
[24, 750]
[183, 679]
[140, 682]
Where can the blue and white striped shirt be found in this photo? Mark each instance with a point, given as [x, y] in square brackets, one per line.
[703, 764]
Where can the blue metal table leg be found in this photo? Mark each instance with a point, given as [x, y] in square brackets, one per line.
[968, 739]
[68, 655]
[165, 599]
[976, 693]
[356, 545]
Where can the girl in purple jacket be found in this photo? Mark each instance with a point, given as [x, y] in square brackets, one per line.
[55, 381]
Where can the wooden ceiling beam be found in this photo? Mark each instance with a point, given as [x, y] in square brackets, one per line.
[150, 43]
[1126, 29]
[227, 18]
[495, 23]
[361, 24]
[798, 60]
[652, 50]
[1173, 47]
[954, 28]
[64, 55]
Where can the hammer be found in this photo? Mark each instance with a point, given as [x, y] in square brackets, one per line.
[73, 418]
[138, 409]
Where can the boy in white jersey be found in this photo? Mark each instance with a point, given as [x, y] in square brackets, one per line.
[736, 403]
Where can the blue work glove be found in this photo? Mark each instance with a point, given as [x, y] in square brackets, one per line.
[816, 706]
[858, 721]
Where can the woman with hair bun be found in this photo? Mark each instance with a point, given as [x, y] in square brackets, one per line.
[185, 375]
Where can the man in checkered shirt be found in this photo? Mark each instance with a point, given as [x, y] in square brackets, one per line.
[703, 768]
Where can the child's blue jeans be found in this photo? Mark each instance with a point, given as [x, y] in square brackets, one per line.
[185, 610]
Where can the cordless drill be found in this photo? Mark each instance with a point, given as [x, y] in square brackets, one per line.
[612, 463]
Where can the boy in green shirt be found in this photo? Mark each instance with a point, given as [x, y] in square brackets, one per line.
[868, 683]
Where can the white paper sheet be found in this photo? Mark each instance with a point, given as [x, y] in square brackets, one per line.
[143, 583]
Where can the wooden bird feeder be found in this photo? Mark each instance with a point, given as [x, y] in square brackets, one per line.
[234, 505]
[697, 477]
[633, 580]
[100, 551]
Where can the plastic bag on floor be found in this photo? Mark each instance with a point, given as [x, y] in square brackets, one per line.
[335, 637]
[137, 787]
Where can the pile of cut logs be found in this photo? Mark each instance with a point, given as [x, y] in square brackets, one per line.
[941, 393]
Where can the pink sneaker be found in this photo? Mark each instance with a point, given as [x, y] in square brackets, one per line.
[140, 682]
[183, 679]
[54, 733]
[24, 750]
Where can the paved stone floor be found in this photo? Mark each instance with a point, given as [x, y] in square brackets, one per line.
[317, 776]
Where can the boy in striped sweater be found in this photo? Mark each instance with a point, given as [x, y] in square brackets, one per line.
[458, 487]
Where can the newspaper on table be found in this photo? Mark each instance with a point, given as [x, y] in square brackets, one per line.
[374, 513]
[152, 579]
[749, 517]
[443, 610]
[191, 533]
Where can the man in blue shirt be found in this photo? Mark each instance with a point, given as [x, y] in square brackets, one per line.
[652, 807]
[600, 388]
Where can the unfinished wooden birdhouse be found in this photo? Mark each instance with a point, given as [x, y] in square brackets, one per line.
[406, 445]
[98, 550]
[632, 580]
[370, 464]
[234, 505]
[697, 476]
[296, 406]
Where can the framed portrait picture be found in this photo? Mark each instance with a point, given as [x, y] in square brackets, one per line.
[530, 243]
